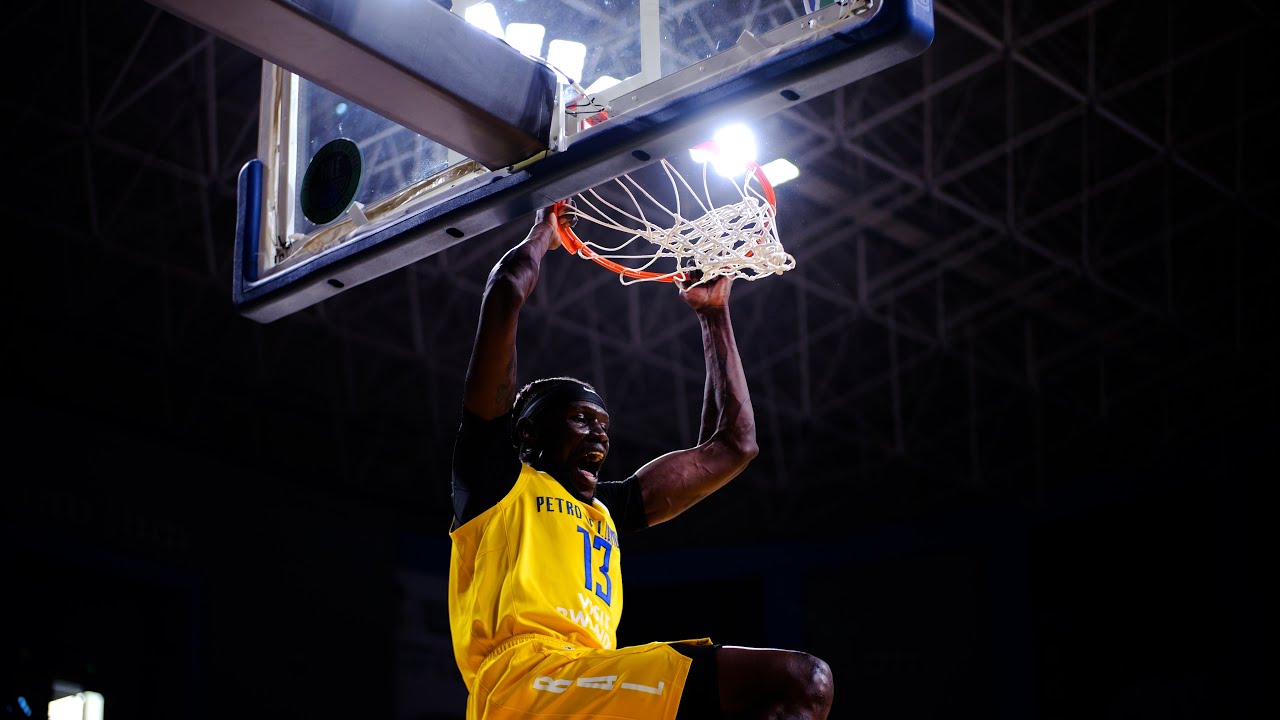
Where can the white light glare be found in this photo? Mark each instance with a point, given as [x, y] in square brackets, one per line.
[485, 17]
[737, 147]
[604, 82]
[526, 37]
[568, 57]
[779, 171]
[80, 706]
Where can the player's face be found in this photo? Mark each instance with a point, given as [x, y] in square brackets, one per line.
[575, 442]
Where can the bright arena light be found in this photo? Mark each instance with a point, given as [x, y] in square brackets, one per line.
[485, 17]
[526, 37]
[568, 56]
[604, 82]
[80, 706]
[737, 145]
[779, 171]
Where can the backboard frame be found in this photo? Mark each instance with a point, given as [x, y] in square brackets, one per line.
[827, 49]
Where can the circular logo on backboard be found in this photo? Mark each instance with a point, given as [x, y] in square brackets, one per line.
[331, 181]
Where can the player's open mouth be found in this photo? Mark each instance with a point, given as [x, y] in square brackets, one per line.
[590, 464]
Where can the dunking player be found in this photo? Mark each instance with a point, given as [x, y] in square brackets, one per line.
[535, 588]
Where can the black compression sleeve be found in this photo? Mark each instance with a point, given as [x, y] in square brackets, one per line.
[625, 504]
[485, 464]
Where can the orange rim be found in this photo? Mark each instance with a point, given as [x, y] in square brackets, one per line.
[574, 245]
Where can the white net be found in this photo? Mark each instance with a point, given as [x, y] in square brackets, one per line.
[684, 231]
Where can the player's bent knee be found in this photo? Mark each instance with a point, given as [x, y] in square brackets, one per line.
[774, 683]
[815, 682]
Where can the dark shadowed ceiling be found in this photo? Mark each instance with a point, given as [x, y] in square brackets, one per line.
[1042, 253]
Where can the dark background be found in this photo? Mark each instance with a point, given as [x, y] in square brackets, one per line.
[1017, 401]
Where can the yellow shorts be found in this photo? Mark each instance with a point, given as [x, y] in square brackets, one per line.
[538, 677]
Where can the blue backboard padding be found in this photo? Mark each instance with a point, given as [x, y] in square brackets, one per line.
[457, 60]
[248, 226]
[414, 63]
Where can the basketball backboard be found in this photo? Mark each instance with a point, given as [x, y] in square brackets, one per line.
[393, 129]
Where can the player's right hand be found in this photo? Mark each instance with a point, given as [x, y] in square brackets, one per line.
[699, 295]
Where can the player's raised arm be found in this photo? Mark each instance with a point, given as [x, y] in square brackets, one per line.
[489, 388]
[676, 481]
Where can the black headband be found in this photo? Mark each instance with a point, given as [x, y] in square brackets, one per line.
[562, 394]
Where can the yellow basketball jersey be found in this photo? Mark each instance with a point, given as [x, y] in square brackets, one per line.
[539, 562]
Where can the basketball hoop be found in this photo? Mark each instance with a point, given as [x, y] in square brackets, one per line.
[733, 232]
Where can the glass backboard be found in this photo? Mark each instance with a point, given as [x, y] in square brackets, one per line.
[341, 193]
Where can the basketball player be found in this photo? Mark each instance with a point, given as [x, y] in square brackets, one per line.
[535, 589]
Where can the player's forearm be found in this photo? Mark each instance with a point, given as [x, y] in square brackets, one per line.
[728, 416]
[710, 396]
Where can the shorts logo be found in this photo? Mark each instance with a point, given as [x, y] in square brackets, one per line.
[599, 683]
[604, 682]
[551, 685]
